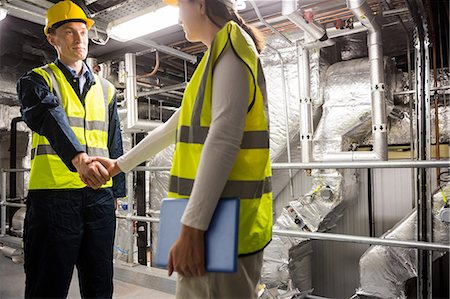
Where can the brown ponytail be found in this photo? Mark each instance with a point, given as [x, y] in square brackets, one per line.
[218, 11]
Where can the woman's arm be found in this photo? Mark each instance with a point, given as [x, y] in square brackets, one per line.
[153, 143]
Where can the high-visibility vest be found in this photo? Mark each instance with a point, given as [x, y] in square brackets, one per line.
[89, 122]
[250, 177]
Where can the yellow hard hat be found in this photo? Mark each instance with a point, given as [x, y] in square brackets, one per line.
[171, 2]
[64, 12]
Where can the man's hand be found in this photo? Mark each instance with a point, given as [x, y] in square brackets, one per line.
[91, 172]
[110, 164]
[187, 255]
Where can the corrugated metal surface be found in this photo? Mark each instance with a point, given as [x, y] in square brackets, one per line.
[336, 265]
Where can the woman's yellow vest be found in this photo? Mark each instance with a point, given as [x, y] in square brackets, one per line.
[250, 177]
[89, 122]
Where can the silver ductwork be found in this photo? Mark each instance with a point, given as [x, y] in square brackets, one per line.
[384, 270]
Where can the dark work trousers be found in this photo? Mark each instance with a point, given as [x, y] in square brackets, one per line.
[67, 228]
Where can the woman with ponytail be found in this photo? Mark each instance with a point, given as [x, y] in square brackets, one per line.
[222, 150]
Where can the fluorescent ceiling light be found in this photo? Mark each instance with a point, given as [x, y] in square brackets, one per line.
[3, 13]
[142, 23]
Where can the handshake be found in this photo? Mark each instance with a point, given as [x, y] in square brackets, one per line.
[95, 171]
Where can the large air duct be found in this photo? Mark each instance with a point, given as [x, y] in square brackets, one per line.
[384, 270]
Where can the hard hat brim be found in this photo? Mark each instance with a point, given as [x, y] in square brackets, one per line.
[87, 21]
[171, 2]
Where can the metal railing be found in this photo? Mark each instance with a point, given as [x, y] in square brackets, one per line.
[277, 166]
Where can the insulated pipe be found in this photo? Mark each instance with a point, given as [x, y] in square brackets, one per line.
[363, 12]
[133, 122]
[306, 114]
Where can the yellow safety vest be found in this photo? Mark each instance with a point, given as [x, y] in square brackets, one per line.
[89, 122]
[250, 177]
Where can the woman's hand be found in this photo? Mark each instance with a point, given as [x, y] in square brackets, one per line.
[187, 255]
[110, 164]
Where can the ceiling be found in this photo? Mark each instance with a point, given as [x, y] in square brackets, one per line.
[23, 44]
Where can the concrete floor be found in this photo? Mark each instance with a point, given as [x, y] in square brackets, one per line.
[12, 285]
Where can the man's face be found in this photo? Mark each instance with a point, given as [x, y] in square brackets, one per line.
[70, 41]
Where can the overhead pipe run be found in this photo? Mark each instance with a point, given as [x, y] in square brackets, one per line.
[364, 13]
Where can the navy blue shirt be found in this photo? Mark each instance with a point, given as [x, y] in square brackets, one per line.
[43, 114]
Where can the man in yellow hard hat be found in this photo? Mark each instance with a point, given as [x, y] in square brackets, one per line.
[73, 115]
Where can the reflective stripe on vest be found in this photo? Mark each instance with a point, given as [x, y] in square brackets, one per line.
[250, 177]
[89, 121]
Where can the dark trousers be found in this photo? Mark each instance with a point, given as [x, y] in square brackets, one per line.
[67, 228]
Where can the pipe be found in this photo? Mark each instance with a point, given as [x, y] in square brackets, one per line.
[138, 218]
[133, 122]
[13, 156]
[306, 113]
[130, 202]
[286, 111]
[3, 207]
[289, 9]
[319, 165]
[155, 68]
[336, 165]
[364, 13]
[414, 91]
[332, 237]
[163, 89]
[362, 240]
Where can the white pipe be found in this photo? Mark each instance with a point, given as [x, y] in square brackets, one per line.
[318, 34]
[306, 115]
[364, 13]
[134, 124]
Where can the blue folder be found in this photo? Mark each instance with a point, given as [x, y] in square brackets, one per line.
[221, 239]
